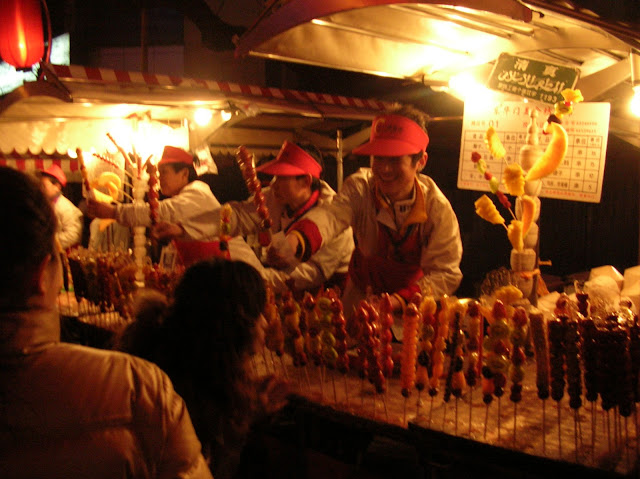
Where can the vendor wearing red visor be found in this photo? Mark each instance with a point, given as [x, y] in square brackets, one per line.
[186, 198]
[295, 191]
[407, 235]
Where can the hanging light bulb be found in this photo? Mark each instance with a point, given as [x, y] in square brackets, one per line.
[21, 36]
[202, 116]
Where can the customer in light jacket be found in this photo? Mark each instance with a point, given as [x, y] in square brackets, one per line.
[68, 410]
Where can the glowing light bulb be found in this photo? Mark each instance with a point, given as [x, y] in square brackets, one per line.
[225, 115]
[202, 116]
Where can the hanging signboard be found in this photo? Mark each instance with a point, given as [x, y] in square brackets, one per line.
[532, 79]
[579, 176]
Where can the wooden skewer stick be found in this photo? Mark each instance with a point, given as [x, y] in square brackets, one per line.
[544, 427]
[125, 156]
[559, 432]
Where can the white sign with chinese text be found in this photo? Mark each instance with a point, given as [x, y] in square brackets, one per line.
[579, 176]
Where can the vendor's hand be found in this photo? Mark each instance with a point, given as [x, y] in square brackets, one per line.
[396, 305]
[95, 209]
[272, 393]
[166, 231]
[280, 254]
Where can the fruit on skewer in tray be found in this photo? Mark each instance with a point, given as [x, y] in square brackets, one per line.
[386, 336]
[614, 373]
[410, 322]
[439, 345]
[557, 349]
[245, 161]
[327, 339]
[294, 340]
[474, 360]
[496, 353]
[339, 324]
[274, 336]
[572, 357]
[428, 308]
[372, 345]
[361, 319]
[541, 350]
[518, 338]
[455, 382]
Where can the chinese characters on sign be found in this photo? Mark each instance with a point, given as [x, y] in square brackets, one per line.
[579, 176]
[532, 79]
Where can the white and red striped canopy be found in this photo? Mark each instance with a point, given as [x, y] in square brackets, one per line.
[101, 100]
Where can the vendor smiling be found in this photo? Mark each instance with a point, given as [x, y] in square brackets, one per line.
[407, 234]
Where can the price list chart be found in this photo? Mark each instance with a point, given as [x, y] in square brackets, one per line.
[579, 177]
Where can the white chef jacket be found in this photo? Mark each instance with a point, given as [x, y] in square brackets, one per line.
[332, 258]
[69, 222]
[355, 205]
[192, 208]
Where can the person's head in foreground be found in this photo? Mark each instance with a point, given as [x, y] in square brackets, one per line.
[31, 270]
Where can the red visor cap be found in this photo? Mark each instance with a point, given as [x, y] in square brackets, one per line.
[171, 154]
[56, 172]
[291, 161]
[394, 135]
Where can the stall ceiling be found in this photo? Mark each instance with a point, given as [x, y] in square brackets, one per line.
[431, 41]
[262, 118]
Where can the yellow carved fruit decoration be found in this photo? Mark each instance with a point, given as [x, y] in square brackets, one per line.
[553, 155]
[486, 210]
[494, 144]
[514, 233]
[528, 213]
[513, 179]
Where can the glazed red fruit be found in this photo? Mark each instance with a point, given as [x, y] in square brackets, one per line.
[475, 156]
[499, 311]
[488, 175]
[520, 317]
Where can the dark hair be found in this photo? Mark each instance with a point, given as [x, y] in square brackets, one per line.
[420, 118]
[55, 181]
[178, 167]
[26, 209]
[204, 340]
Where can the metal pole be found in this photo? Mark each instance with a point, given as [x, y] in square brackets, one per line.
[339, 171]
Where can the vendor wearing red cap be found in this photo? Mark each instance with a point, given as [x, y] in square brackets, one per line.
[186, 198]
[295, 190]
[188, 205]
[69, 216]
[407, 235]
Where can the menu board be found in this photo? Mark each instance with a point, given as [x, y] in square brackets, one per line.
[579, 176]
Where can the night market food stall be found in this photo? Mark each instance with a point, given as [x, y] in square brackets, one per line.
[575, 64]
[483, 378]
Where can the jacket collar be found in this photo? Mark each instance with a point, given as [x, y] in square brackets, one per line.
[418, 213]
[24, 332]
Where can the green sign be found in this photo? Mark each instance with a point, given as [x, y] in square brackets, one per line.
[532, 79]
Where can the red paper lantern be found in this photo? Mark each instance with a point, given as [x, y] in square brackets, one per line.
[21, 37]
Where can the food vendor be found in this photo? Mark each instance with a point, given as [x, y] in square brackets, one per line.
[69, 216]
[296, 189]
[187, 203]
[407, 234]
